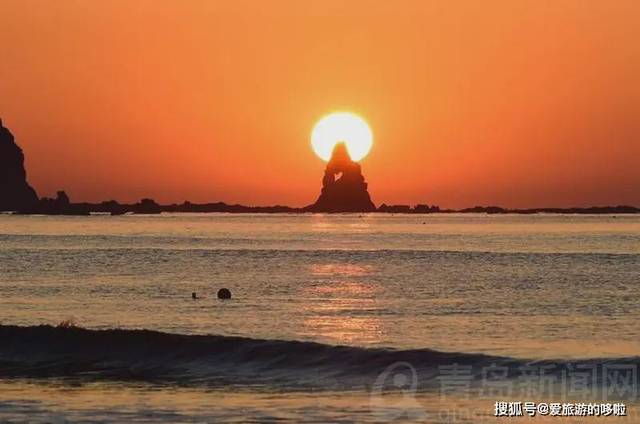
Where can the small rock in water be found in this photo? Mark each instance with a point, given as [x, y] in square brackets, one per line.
[224, 294]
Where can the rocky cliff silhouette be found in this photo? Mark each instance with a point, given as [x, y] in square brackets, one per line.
[343, 190]
[15, 193]
[343, 186]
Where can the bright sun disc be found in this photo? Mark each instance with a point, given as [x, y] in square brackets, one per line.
[341, 126]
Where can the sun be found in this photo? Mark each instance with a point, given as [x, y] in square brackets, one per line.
[344, 127]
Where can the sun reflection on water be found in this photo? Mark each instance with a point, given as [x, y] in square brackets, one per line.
[342, 307]
[336, 269]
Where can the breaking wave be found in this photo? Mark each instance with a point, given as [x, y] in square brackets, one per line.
[149, 356]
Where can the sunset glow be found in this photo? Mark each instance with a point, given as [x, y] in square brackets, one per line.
[244, 210]
[517, 104]
[342, 127]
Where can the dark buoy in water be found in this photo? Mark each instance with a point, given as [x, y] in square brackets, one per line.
[224, 294]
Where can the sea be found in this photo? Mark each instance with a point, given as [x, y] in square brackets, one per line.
[340, 318]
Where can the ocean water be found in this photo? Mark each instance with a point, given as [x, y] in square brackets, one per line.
[334, 318]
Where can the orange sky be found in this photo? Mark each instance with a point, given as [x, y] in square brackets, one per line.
[516, 103]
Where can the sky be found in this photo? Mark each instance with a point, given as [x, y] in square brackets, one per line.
[526, 103]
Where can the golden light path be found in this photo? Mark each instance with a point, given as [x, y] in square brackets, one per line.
[344, 127]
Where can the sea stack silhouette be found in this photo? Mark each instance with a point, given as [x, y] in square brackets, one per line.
[15, 193]
[343, 186]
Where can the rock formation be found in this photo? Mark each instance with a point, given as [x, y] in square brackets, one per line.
[343, 186]
[147, 206]
[61, 205]
[15, 193]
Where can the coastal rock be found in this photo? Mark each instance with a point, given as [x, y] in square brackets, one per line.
[343, 186]
[147, 206]
[15, 193]
[61, 205]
